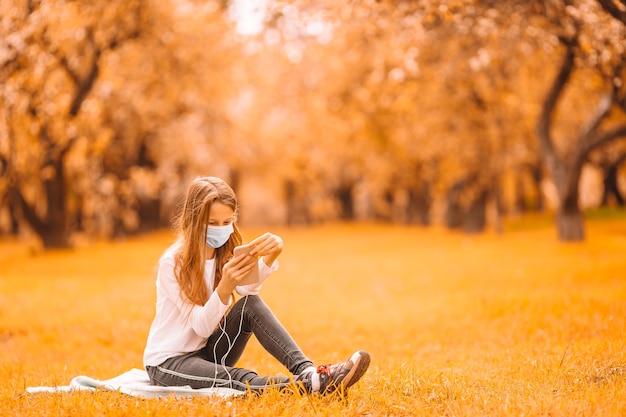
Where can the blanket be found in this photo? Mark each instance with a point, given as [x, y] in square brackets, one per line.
[135, 383]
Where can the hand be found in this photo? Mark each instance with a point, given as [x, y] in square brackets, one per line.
[267, 245]
[235, 271]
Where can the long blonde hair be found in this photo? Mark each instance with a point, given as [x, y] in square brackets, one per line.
[191, 226]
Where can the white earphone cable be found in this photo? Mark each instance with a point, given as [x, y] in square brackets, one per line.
[230, 344]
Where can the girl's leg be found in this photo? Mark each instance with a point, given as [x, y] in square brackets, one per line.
[194, 370]
[212, 366]
[250, 315]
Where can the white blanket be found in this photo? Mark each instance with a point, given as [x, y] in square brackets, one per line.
[135, 383]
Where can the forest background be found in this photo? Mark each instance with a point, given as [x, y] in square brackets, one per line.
[456, 112]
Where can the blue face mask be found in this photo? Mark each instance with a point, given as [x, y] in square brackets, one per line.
[217, 236]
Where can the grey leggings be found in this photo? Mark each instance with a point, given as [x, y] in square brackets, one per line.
[213, 365]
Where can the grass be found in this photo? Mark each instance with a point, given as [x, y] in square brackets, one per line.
[457, 325]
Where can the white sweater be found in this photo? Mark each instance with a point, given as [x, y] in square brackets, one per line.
[174, 331]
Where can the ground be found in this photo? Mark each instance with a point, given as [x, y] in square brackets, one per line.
[459, 325]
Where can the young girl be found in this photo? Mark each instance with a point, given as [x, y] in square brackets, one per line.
[198, 334]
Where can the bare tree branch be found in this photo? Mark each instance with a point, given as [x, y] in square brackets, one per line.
[619, 92]
[549, 105]
[85, 85]
[604, 138]
[69, 71]
[616, 8]
[29, 212]
[603, 110]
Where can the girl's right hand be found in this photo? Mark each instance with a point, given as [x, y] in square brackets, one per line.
[234, 271]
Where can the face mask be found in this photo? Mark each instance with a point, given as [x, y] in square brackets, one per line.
[217, 236]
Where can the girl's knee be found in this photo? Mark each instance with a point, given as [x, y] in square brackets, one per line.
[253, 300]
[255, 303]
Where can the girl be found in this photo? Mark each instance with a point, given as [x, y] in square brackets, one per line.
[198, 334]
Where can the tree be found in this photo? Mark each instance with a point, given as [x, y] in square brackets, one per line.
[51, 64]
[585, 47]
[609, 159]
[366, 110]
[144, 114]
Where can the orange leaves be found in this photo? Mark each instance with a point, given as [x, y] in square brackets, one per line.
[327, 95]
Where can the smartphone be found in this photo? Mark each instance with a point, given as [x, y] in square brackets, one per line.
[253, 276]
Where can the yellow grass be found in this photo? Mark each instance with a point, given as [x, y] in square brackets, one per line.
[488, 325]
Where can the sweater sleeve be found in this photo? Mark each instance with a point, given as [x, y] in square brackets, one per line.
[204, 319]
[264, 272]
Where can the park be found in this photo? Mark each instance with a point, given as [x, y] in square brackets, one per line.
[489, 325]
[448, 178]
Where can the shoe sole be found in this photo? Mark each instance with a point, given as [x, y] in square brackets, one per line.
[360, 365]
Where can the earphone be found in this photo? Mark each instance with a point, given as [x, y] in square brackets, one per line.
[222, 327]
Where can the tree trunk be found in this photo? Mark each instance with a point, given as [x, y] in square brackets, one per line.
[610, 184]
[149, 210]
[569, 217]
[297, 211]
[570, 223]
[53, 228]
[566, 172]
[55, 233]
[475, 217]
[494, 206]
[519, 202]
[346, 206]
[537, 175]
[418, 208]
[14, 214]
[470, 218]
[454, 211]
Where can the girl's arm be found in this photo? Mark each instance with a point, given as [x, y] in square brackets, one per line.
[202, 319]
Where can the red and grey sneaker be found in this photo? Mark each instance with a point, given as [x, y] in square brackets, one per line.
[329, 378]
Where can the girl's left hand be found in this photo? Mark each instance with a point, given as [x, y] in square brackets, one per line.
[267, 245]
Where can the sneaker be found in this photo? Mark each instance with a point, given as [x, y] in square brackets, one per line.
[339, 376]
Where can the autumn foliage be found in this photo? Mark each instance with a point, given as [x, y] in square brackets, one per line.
[455, 112]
